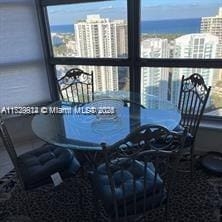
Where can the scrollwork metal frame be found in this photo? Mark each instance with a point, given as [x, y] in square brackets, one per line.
[77, 83]
[143, 145]
[192, 101]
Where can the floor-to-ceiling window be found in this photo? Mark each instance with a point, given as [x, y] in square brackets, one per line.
[141, 46]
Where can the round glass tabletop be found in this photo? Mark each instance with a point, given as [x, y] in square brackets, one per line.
[107, 119]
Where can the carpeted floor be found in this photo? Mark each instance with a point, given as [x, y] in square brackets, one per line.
[193, 201]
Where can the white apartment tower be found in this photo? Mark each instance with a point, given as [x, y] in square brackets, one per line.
[122, 43]
[97, 37]
[154, 81]
[197, 46]
[213, 25]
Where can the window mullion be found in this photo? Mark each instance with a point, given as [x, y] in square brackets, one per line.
[134, 43]
[43, 24]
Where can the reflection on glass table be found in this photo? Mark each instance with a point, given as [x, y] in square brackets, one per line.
[106, 120]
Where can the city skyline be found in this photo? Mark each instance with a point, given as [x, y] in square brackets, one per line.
[96, 36]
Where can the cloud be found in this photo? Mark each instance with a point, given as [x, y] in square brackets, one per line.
[106, 7]
[53, 11]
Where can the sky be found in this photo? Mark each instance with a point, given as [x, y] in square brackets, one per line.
[150, 10]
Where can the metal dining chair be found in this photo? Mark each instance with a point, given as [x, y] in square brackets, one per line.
[76, 86]
[193, 98]
[136, 176]
[35, 168]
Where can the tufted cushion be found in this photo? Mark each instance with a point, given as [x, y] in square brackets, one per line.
[131, 169]
[38, 165]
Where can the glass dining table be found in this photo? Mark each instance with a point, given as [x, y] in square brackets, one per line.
[107, 119]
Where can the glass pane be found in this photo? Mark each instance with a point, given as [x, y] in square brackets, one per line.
[181, 29]
[107, 79]
[164, 83]
[89, 30]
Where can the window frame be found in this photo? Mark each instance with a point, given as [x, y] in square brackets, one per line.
[134, 61]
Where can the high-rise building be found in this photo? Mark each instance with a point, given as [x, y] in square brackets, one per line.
[98, 37]
[196, 46]
[154, 81]
[122, 43]
[213, 25]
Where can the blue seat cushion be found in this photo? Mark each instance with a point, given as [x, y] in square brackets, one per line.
[132, 169]
[38, 165]
[189, 138]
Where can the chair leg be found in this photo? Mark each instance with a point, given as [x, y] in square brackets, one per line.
[186, 156]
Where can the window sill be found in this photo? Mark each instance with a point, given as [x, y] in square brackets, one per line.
[211, 124]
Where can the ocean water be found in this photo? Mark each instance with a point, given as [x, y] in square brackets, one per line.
[180, 26]
[62, 28]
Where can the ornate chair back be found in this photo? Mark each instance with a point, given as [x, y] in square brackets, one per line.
[76, 86]
[192, 101]
[150, 137]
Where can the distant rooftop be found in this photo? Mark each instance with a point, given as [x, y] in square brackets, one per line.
[96, 18]
[93, 17]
